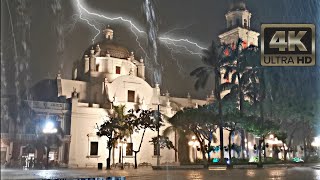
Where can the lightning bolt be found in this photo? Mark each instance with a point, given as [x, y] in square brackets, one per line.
[172, 50]
[120, 18]
[175, 45]
[182, 46]
[132, 26]
[181, 40]
[88, 22]
[138, 42]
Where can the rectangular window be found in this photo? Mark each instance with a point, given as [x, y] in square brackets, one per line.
[130, 96]
[118, 69]
[129, 149]
[94, 149]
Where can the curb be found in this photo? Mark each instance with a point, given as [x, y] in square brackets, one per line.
[189, 167]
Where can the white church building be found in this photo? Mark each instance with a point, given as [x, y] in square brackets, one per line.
[107, 76]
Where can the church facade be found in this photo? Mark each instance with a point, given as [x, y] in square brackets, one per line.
[108, 76]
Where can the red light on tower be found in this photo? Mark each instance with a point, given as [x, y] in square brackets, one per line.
[226, 52]
[244, 44]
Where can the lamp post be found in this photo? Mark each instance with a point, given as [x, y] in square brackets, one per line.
[158, 136]
[49, 129]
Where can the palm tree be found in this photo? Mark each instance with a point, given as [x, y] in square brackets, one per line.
[239, 64]
[123, 117]
[213, 61]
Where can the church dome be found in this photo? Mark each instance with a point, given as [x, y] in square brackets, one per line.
[237, 5]
[113, 48]
[109, 46]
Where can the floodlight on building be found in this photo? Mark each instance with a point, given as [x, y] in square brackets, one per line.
[271, 136]
[49, 128]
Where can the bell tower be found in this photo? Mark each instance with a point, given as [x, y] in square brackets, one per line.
[238, 26]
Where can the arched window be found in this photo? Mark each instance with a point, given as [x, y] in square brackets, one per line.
[245, 24]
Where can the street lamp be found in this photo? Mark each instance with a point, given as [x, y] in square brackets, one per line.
[158, 136]
[49, 129]
[157, 119]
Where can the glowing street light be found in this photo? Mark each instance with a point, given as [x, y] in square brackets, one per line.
[49, 128]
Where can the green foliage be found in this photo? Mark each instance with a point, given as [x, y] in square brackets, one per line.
[259, 127]
[201, 121]
[121, 125]
[164, 142]
[212, 62]
[261, 100]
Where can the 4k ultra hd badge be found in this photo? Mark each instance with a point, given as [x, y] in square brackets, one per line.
[288, 45]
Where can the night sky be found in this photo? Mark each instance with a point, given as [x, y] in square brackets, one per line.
[198, 20]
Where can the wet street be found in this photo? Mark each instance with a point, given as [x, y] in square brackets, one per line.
[295, 173]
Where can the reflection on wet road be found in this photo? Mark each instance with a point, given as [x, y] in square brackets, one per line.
[296, 173]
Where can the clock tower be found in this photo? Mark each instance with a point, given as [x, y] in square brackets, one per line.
[238, 26]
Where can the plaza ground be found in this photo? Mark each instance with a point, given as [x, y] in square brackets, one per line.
[294, 173]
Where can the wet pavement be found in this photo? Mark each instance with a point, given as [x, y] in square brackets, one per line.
[295, 173]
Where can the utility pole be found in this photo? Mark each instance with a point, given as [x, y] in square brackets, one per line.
[158, 136]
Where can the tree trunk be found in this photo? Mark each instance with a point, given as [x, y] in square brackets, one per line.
[290, 139]
[243, 144]
[135, 159]
[247, 144]
[109, 159]
[176, 146]
[120, 154]
[230, 134]
[136, 152]
[218, 96]
[241, 101]
[208, 152]
[284, 153]
[221, 144]
[260, 156]
[201, 147]
[264, 149]
[47, 160]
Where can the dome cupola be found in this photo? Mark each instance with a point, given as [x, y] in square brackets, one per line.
[108, 32]
[238, 5]
[108, 46]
